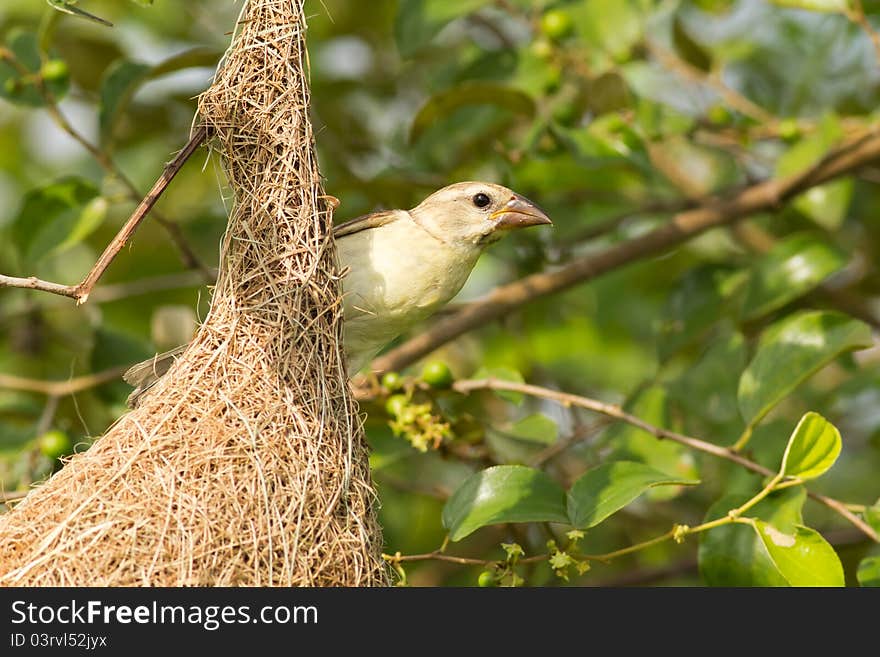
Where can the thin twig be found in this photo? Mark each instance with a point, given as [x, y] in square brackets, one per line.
[60, 388]
[614, 411]
[81, 292]
[715, 212]
[856, 13]
[140, 212]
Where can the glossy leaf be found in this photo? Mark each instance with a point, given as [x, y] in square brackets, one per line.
[606, 489]
[614, 26]
[826, 204]
[632, 444]
[801, 556]
[470, 93]
[734, 555]
[790, 352]
[504, 493]
[868, 573]
[55, 217]
[419, 21]
[812, 449]
[793, 267]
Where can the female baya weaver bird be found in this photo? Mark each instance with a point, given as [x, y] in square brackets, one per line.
[403, 265]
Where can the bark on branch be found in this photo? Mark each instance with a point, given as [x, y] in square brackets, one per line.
[764, 196]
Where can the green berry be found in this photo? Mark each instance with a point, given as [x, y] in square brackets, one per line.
[487, 579]
[553, 79]
[719, 115]
[567, 113]
[789, 130]
[392, 381]
[556, 24]
[396, 404]
[542, 49]
[54, 70]
[437, 374]
[55, 444]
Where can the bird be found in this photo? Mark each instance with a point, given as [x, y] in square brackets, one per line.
[402, 266]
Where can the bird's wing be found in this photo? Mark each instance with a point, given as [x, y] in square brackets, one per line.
[365, 222]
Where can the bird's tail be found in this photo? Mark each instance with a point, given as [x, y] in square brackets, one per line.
[144, 375]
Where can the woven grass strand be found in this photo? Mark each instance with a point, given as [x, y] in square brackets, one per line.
[246, 464]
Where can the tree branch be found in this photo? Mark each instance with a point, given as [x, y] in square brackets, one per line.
[81, 291]
[614, 411]
[60, 388]
[715, 212]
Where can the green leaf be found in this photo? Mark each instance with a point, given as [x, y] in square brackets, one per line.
[606, 489]
[688, 49]
[123, 78]
[829, 6]
[69, 7]
[633, 444]
[56, 217]
[696, 304]
[733, 555]
[825, 204]
[812, 449]
[23, 88]
[503, 374]
[470, 93]
[791, 351]
[792, 268]
[868, 573]
[119, 84]
[419, 21]
[613, 26]
[504, 493]
[802, 557]
[872, 517]
[706, 389]
[537, 428]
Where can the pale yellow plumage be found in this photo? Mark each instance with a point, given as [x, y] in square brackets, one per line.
[404, 265]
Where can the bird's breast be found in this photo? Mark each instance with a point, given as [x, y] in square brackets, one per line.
[398, 275]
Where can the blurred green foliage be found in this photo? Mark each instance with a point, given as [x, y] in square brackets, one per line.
[610, 114]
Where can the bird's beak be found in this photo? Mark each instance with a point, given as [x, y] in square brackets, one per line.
[519, 212]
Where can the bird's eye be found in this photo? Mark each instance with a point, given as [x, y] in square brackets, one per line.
[481, 200]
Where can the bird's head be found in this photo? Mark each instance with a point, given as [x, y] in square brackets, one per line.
[476, 213]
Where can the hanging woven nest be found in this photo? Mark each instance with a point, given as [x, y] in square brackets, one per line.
[245, 464]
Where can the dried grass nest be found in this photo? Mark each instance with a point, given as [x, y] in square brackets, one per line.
[245, 464]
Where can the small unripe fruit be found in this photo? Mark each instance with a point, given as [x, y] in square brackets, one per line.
[54, 70]
[437, 374]
[392, 381]
[487, 579]
[719, 115]
[396, 404]
[789, 130]
[55, 444]
[556, 24]
[542, 49]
